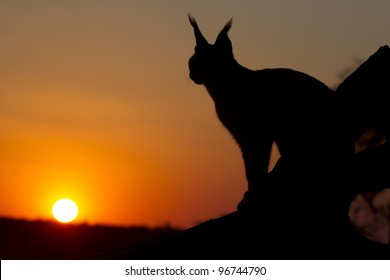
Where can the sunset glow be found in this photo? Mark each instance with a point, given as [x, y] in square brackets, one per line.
[65, 210]
[96, 103]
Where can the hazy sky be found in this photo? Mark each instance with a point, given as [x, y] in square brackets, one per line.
[96, 103]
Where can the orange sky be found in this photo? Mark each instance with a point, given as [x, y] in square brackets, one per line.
[96, 103]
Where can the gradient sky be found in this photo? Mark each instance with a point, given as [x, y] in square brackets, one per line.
[96, 103]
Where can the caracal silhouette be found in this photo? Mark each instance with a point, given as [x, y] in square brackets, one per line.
[257, 107]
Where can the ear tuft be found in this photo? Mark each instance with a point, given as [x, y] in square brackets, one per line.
[192, 20]
[200, 39]
[227, 26]
[223, 40]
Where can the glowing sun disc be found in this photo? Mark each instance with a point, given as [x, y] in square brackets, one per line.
[65, 210]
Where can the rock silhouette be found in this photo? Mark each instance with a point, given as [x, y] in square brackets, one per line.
[302, 212]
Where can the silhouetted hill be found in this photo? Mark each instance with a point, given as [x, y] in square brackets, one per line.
[21, 239]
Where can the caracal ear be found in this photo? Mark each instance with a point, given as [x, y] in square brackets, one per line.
[200, 39]
[223, 40]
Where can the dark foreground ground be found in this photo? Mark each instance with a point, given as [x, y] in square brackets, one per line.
[21, 239]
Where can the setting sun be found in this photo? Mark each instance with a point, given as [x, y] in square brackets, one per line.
[65, 210]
